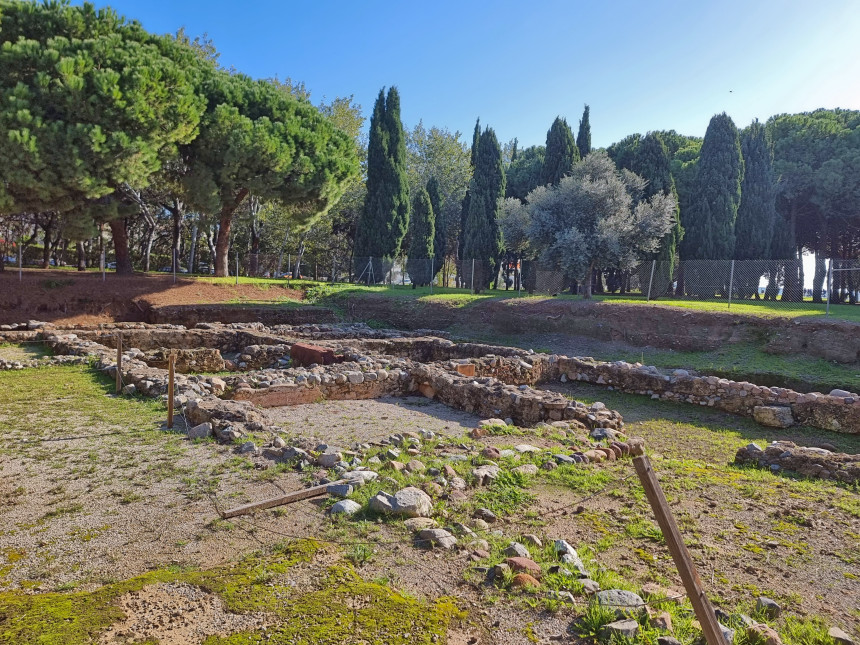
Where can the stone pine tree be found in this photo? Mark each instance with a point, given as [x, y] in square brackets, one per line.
[423, 230]
[385, 219]
[583, 137]
[757, 210]
[440, 236]
[710, 223]
[651, 162]
[561, 153]
[464, 212]
[482, 237]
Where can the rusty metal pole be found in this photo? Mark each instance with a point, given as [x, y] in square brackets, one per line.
[118, 363]
[171, 367]
[686, 567]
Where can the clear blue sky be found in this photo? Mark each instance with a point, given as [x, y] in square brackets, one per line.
[517, 64]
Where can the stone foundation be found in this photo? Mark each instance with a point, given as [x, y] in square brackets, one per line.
[810, 462]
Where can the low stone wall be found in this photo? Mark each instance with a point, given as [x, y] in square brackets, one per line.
[837, 413]
[345, 386]
[187, 360]
[190, 315]
[810, 462]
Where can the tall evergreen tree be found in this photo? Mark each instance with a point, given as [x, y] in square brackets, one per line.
[482, 237]
[561, 153]
[385, 218]
[440, 236]
[464, 212]
[757, 210]
[423, 231]
[710, 222]
[514, 150]
[583, 137]
[652, 163]
[523, 174]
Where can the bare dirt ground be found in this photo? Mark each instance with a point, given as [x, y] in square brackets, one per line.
[69, 297]
[92, 491]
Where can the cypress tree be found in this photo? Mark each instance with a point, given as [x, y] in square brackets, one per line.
[561, 153]
[464, 211]
[583, 137]
[710, 224]
[385, 217]
[651, 162]
[757, 210]
[421, 248]
[482, 237]
[439, 239]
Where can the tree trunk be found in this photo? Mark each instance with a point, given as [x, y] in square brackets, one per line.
[192, 261]
[82, 257]
[177, 238]
[48, 227]
[225, 224]
[148, 238]
[210, 244]
[586, 284]
[301, 252]
[819, 277]
[120, 246]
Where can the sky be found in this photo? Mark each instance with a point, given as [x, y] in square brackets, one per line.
[664, 64]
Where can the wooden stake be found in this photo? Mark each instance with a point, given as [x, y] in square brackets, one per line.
[313, 491]
[692, 583]
[171, 367]
[118, 363]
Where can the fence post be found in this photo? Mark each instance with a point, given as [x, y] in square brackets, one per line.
[174, 266]
[20, 262]
[332, 268]
[681, 556]
[237, 268]
[731, 282]
[171, 368]
[473, 275]
[102, 261]
[651, 279]
[118, 363]
[432, 273]
[829, 286]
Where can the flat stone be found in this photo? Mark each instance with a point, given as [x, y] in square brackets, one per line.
[667, 640]
[524, 448]
[840, 636]
[773, 416]
[485, 474]
[419, 523]
[761, 634]
[623, 603]
[329, 459]
[485, 514]
[589, 587]
[515, 549]
[339, 490]
[345, 507]
[360, 477]
[768, 607]
[526, 565]
[840, 393]
[200, 431]
[439, 537]
[526, 469]
[247, 447]
[414, 466]
[627, 628]
[524, 581]
[533, 540]
[413, 502]
[491, 452]
[662, 621]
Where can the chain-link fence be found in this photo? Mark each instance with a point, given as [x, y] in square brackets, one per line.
[785, 284]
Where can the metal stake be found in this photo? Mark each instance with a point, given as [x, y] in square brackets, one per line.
[651, 280]
[731, 282]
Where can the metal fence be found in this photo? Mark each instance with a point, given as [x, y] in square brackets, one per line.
[779, 283]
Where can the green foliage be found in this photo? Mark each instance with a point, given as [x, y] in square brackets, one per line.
[595, 216]
[524, 172]
[709, 224]
[421, 247]
[583, 136]
[385, 219]
[482, 237]
[440, 237]
[757, 210]
[561, 153]
[89, 102]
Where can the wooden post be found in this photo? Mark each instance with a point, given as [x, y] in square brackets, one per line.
[118, 363]
[288, 498]
[171, 367]
[692, 583]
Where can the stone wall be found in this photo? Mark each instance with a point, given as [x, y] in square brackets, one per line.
[810, 462]
[839, 411]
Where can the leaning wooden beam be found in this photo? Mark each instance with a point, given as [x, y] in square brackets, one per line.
[307, 493]
[686, 567]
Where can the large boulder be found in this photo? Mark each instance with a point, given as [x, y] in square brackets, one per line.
[411, 502]
[773, 416]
